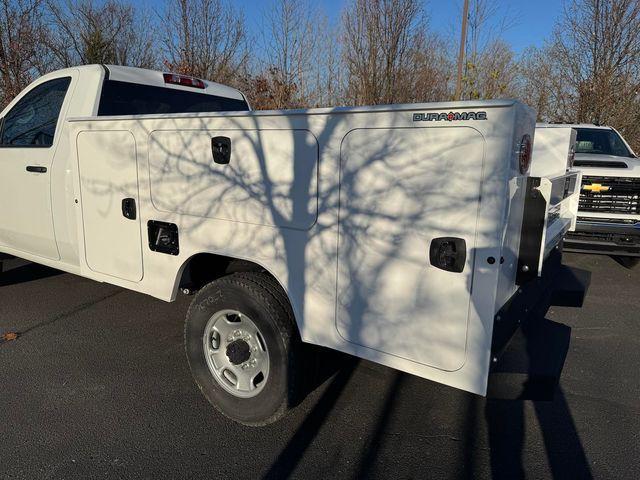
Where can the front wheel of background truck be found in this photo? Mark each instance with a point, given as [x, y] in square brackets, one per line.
[242, 345]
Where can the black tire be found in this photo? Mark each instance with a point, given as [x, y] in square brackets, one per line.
[627, 262]
[259, 297]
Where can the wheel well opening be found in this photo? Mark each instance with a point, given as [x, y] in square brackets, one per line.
[203, 268]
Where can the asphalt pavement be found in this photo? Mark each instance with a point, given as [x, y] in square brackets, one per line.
[96, 385]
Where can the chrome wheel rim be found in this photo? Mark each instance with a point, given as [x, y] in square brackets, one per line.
[236, 353]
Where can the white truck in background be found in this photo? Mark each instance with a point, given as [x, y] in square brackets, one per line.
[398, 233]
[609, 210]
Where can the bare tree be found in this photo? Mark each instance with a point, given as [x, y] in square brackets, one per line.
[205, 38]
[299, 58]
[138, 44]
[84, 32]
[328, 72]
[283, 70]
[429, 74]
[542, 87]
[490, 67]
[269, 90]
[596, 51]
[20, 33]
[378, 36]
[496, 71]
[289, 47]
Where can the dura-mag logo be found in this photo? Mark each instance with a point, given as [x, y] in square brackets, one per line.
[449, 117]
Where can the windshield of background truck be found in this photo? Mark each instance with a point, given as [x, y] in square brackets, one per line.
[601, 142]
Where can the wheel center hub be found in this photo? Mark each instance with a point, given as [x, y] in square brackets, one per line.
[238, 352]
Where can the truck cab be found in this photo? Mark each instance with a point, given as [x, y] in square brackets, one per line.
[36, 149]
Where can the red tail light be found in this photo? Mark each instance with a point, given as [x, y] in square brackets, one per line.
[183, 80]
[524, 154]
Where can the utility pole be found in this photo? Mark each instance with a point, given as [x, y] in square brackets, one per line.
[463, 40]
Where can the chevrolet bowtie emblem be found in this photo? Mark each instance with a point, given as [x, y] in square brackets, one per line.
[596, 188]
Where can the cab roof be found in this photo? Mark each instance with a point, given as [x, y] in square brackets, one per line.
[148, 77]
[155, 78]
[573, 125]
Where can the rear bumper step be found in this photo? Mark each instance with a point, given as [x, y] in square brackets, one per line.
[529, 351]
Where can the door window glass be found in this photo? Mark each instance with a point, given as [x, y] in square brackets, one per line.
[32, 121]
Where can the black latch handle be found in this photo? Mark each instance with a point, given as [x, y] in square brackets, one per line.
[448, 253]
[129, 208]
[221, 150]
[36, 169]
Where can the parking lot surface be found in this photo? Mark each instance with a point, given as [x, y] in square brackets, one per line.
[96, 385]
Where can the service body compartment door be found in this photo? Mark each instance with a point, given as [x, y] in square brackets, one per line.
[108, 177]
[401, 189]
[270, 178]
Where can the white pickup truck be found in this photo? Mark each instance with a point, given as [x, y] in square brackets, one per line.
[393, 233]
[609, 211]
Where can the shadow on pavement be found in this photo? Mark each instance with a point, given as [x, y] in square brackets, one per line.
[368, 459]
[533, 363]
[627, 262]
[505, 419]
[327, 362]
[537, 353]
[506, 422]
[26, 273]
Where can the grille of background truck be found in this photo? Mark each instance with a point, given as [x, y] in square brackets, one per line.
[623, 195]
[618, 221]
[618, 239]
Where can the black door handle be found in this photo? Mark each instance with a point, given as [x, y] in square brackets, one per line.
[129, 208]
[36, 169]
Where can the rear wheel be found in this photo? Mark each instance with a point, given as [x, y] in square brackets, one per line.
[242, 347]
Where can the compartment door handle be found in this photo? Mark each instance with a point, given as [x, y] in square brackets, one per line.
[448, 253]
[129, 208]
[221, 150]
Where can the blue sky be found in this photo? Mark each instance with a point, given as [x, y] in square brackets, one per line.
[531, 20]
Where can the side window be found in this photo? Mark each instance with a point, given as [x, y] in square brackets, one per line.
[617, 145]
[32, 121]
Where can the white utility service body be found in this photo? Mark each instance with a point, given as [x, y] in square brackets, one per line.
[553, 157]
[345, 207]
